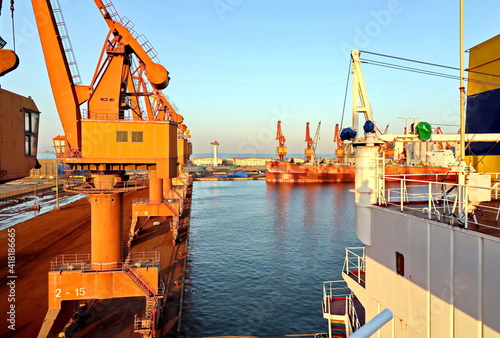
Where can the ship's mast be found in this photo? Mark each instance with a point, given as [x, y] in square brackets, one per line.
[461, 174]
[462, 87]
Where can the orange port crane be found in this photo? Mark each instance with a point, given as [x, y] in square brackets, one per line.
[282, 149]
[339, 144]
[311, 144]
[121, 121]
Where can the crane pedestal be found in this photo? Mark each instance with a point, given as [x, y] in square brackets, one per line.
[166, 198]
[105, 273]
[107, 231]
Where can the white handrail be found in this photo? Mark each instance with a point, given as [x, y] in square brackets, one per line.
[373, 325]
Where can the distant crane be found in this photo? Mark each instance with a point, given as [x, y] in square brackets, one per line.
[311, 143]
[282, 149]
[339, 147]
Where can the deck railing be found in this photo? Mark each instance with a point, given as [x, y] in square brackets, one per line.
[333, 290]
[83, 262]
[352, 315]
[355, 263]
[447, 202]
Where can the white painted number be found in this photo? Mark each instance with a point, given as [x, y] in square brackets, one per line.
[58, 292]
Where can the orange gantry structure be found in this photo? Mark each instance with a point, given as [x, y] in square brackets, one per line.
[119, 124]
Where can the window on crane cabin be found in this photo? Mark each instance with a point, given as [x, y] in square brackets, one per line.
[137, 136]
[121, 136]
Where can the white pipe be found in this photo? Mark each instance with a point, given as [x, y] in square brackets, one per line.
[373, 325]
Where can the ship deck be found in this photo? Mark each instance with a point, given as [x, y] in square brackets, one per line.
[41, 239]
[483, 218]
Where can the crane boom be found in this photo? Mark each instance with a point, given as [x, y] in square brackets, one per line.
[155, 72]
[360, 101]
[61, 81]
[118, 90]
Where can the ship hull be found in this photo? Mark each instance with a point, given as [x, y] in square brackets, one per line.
[286, 172]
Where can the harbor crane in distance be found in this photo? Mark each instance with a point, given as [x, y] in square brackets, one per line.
[120, 122]
[282, 149]
[339, 144]
[311, 143]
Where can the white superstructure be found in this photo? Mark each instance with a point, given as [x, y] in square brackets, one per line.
[431, 260]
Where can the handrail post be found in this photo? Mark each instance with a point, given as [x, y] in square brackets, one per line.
[466, 203]
[401, 194]
[359, 272]
[429, 213]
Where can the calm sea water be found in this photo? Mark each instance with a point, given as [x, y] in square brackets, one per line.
[258, 255]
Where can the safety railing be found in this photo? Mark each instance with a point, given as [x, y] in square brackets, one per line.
[79, 181]
[334, 290]
[155, 202]
[447, 202]
[108, 115]
[83, 262]
[355, 264]
[144, 256]
[352, 315]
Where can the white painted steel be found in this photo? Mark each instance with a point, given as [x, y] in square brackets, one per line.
[373, 325]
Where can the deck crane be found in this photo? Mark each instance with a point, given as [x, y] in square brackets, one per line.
[120, 121]
[311, 144]
[361, 103]
[282, 149]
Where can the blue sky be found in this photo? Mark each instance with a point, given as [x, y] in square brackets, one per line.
[237, 66]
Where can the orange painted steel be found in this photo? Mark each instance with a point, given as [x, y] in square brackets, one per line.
[155, 188]
[282, 149]
[339, 150]
[160, 209]
[60, 77]
[8, 61]
[107, 231]
[309, 152]
[96, 285]
[167, 184]
[128, 124]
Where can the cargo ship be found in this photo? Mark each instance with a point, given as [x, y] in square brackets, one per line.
[287, 172]
[401, 154]
[428, 266]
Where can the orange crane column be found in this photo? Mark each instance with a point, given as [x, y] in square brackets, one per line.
[155, 188]
[106, 225]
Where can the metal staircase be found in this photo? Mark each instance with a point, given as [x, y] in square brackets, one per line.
[145, 324]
